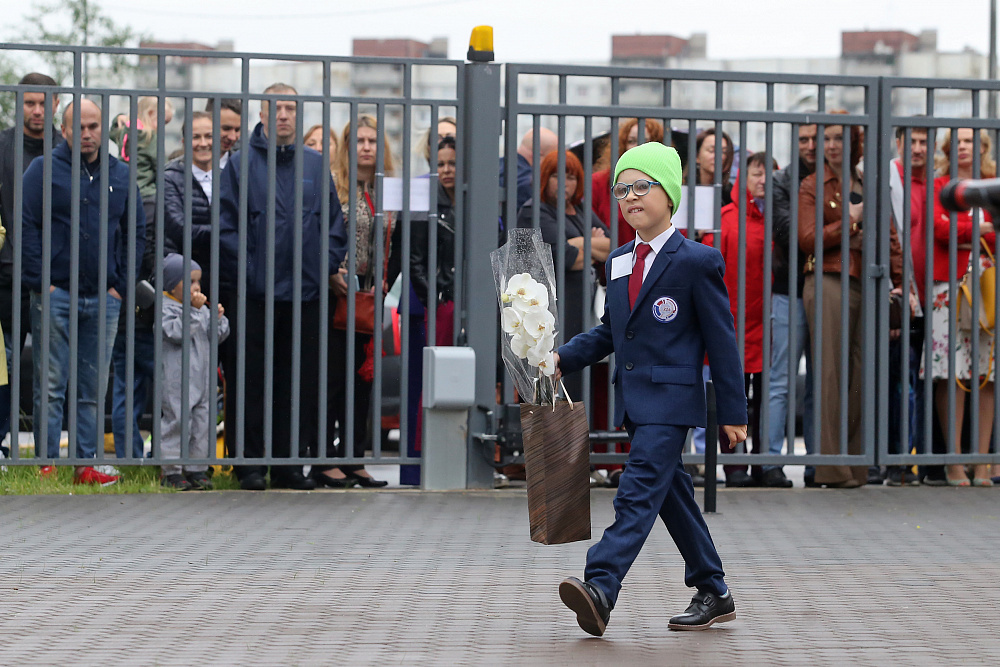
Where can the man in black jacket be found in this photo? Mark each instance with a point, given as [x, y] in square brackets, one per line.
[32, 136]
[308, 248]
[784, 316]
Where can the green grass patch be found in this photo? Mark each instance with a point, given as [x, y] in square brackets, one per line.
[25, 480]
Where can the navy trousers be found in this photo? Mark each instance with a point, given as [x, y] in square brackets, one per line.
[654, 483]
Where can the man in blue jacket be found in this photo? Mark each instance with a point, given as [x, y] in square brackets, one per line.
[92, 379]
[667, 306]
[284, 225]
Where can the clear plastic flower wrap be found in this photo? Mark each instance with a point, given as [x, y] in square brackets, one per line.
[526, 291]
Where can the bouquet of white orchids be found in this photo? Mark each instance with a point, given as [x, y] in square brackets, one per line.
[556, 435]
[525, 281]
[529, 322]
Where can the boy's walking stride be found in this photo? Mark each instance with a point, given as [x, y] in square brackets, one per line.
[667, 306]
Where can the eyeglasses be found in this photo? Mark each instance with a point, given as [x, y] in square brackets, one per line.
[640, 188]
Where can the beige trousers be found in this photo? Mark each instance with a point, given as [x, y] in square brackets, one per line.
[829, 403]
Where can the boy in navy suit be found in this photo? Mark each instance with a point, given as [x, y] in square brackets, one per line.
[667, 305]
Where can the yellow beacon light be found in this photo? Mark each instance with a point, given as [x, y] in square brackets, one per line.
[481, 44]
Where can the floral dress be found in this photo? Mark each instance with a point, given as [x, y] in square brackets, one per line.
[942, 312]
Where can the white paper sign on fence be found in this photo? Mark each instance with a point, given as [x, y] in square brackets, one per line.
[392, 194]
[704, 208]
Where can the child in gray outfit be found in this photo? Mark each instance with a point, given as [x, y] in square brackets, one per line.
[201, 376]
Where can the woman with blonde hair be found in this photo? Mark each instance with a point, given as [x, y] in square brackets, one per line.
[314, 139]
[369, 276]
[943, 313]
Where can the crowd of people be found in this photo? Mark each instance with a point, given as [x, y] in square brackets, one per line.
[200, 299]
[807, 278]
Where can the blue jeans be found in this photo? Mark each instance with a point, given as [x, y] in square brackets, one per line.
[913, 396]
[145, 372]
[778, 406]
[92, 382]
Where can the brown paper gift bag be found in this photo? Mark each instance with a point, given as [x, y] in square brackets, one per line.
[557, 462]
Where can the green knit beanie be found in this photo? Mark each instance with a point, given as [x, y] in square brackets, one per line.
[661, 163]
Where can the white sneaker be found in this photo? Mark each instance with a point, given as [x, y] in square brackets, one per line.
[500, 480]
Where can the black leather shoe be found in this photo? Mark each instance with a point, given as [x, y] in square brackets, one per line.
[366, 482]
[875, 475]
[253, 482]
[589, 603]
[697, 479]
[740, 479]
[705, 609]
[899, 476]
[294, 480]
[322, 479]
[775, 479]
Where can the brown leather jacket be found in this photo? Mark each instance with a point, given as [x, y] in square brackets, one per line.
[832, 212]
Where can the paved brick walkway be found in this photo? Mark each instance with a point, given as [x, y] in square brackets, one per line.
[873, 576]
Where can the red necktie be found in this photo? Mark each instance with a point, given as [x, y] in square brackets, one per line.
[635, 280]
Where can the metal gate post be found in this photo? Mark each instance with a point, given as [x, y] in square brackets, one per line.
[878, 448]
[875, 404]
[480, 119]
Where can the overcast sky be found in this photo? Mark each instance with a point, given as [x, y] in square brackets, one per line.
[542, 31]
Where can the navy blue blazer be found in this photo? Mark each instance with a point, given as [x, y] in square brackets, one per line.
[681, 313]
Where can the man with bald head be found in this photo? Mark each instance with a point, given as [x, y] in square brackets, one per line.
[55, 316]
[547, 142]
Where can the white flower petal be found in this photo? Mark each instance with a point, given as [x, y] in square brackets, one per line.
[524, 290]
[538, 322]
[521, 286]
[541, 350]
[511, 321]
[548, 365]
[520, 345]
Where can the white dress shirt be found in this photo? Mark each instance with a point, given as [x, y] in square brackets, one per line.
[204, 179]
[655, 246]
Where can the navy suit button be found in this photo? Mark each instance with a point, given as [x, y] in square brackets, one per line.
[629, 335]
[629, 366]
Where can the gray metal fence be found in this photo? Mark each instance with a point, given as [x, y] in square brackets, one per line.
[874, 106]
[677, 118]
[930, 431]
[760, 112]
[285, 343]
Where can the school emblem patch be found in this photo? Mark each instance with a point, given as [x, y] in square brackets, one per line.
[665, 309]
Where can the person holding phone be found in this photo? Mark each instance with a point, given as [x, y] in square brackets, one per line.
[824, 258]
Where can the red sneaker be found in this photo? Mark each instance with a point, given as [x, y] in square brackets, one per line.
[91, 476]
[47, 471]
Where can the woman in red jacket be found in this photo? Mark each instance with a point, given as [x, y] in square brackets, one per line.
[753, 299]
[943, 313]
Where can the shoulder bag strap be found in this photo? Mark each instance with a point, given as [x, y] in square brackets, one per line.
[388, 236]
